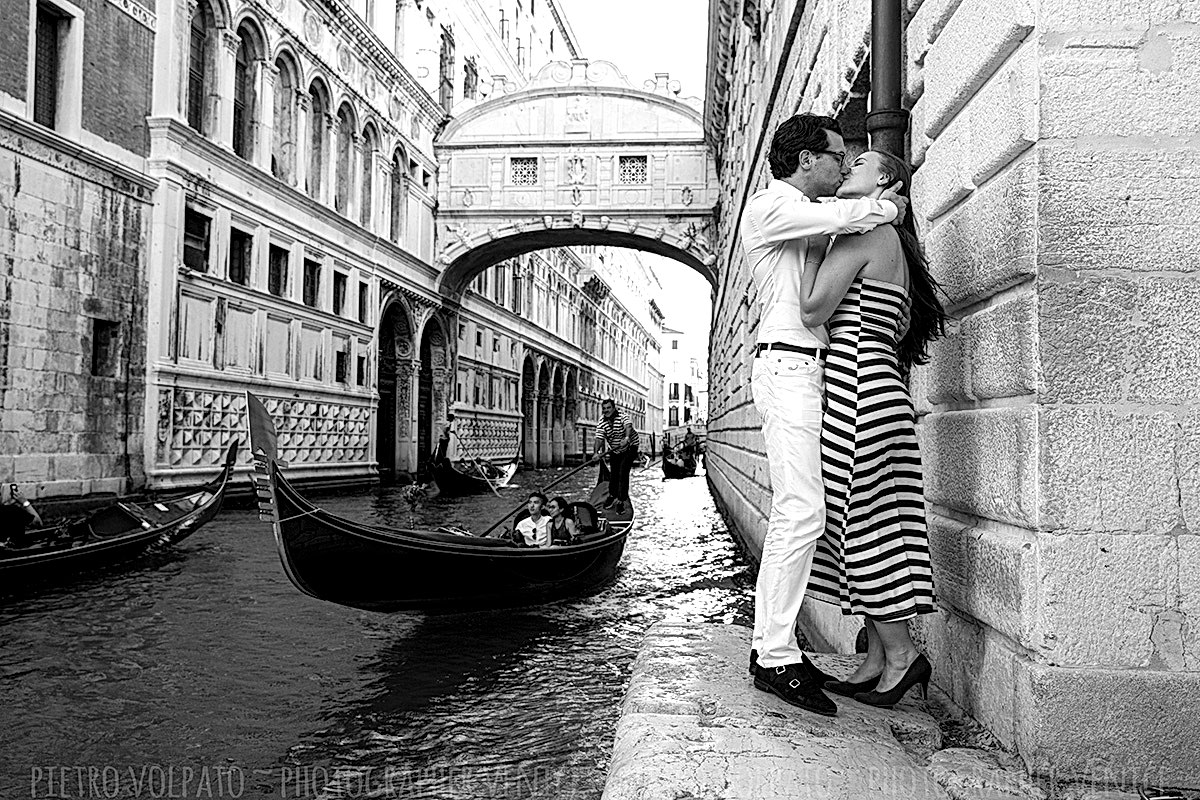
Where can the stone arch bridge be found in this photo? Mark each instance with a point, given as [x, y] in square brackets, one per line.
[579, 156]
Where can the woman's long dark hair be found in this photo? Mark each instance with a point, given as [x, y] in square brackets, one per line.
[927, 318]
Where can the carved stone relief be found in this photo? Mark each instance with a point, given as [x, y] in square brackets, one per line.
[314, 31]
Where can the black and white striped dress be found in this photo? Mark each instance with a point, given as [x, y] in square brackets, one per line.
[874, 556]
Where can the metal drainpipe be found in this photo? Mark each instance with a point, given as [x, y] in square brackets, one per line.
[887, 122]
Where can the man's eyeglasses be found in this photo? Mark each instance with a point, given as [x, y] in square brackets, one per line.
[840, 156]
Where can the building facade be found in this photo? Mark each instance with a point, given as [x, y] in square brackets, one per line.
[75, 212]
[1059, 416]
[685, 364]
[292, 237]
[543, 338]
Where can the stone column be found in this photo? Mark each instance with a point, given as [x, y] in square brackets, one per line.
[329, 191]
[226, 69]
[558, 448]
[383, 195]
[264, 120]
[303, 149]
[545, 455]
[354, 179]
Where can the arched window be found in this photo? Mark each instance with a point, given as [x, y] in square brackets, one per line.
[345, 150]
[317, 147]
[367, 207]
[198, 71]
[244, 111]
[399, 164]
[283, 144]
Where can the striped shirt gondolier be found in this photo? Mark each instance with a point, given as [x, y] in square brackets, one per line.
[613, 432]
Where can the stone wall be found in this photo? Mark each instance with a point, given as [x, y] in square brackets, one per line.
[1056, 153]
[72, 270]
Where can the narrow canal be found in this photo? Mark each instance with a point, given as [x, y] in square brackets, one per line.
[201, 672]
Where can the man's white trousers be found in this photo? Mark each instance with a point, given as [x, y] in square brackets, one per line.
[787, 391]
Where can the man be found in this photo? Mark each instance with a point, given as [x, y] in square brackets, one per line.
[616, 443]
[807, 162]
[16, 515]
[534, 530]
[689, 444]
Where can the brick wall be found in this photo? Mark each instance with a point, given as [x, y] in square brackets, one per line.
[14, 43]
[71, 253]
[117, 53]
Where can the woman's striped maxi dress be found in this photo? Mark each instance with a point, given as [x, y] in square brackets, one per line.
[874, 556]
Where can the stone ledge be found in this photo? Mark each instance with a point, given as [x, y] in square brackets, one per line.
[693, 725]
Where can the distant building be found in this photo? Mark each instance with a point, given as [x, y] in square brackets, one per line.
[686, 381]
[543, 338]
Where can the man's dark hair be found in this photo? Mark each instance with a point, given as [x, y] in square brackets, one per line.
[801, 132]
[538, 495]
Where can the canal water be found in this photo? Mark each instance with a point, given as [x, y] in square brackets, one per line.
[201, 672]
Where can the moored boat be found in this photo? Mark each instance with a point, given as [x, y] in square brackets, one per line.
[471, 477]
[113, 533]
[385, 569]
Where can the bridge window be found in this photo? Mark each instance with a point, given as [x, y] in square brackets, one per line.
[632, 169]
[523, 170]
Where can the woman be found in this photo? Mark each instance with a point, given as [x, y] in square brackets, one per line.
[562, 527]
[874, 557]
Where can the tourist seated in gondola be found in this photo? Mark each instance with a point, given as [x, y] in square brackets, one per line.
[562, 525]
[17, 515]
[534, 530]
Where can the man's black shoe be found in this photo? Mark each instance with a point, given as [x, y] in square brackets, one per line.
[609, 503]
[815, 673]
[790, 684]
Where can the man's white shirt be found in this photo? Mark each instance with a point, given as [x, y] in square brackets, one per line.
[775, 228]
[537, 533]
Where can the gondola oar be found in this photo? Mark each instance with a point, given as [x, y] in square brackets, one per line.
[554, 482]
[649, 464]
[475, 462]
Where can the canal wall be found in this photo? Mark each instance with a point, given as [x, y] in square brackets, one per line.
[74, 216]
[1059, 418]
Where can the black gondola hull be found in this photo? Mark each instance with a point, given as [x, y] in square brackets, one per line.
[453, 482]
[672, 470]
[21, 566]
[382, 570]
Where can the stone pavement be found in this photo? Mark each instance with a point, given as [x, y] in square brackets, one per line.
[693, 727]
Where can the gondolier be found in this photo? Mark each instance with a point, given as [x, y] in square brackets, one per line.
[616, 443]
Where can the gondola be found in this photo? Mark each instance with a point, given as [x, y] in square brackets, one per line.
[385, 569]
[471, 477]
[672, 467]
[114, 533]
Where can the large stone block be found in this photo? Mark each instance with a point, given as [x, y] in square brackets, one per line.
[1102, 597]
[1164, 355]
[989, 572]
[1135, 15]
[980, 36]
[999, 348]
[1108, 470]
[1154, 75]
[923, 29]
[1098, 208]
[997, 124]
[1087, 327]
[1188, 458]
[1188, 622]
[977, 462]
[974, 666]
[945, 377]
[1120, 727]
[989, 242]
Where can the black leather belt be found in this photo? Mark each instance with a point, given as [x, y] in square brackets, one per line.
[811, 352]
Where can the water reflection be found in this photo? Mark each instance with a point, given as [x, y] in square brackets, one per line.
[207, 656]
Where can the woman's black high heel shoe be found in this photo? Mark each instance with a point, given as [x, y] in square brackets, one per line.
[918, 674]
[848, 689]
